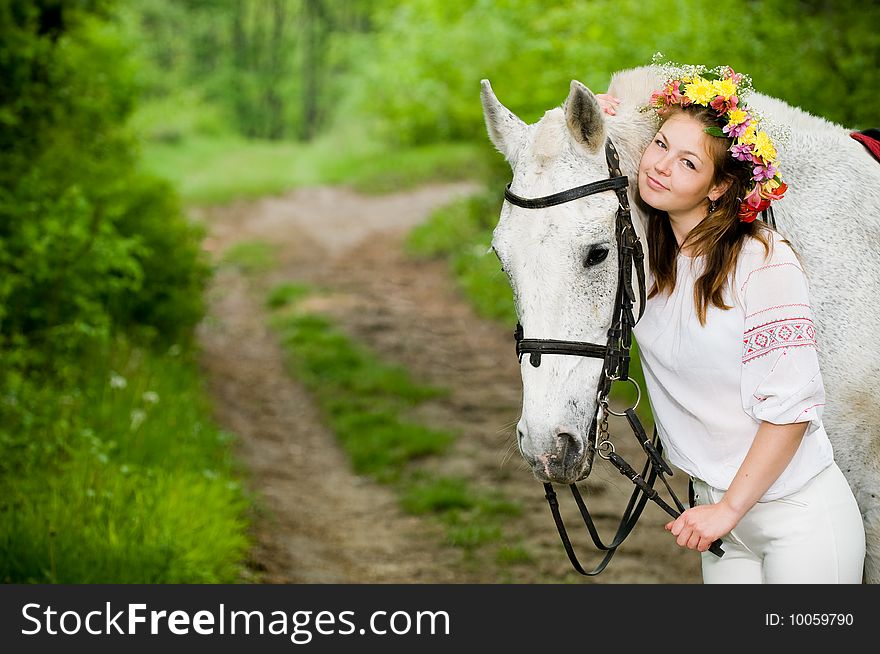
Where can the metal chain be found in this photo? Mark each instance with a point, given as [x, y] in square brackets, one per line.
[604, 446]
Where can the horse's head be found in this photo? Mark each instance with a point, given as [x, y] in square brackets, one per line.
[562, 264]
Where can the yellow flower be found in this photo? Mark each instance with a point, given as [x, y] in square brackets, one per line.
[764, 147]
[748, 136]
[724, 87]
[736, 117]
[700, 91]
[770, 184]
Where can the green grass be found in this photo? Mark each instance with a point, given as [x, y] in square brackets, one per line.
[364, 399]
[219, 168]
[438, 495]
[285, 294]
[135, 484]
[513, 555]
[251, 257]
[471, 517]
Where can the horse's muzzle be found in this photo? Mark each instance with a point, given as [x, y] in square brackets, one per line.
[569, 460]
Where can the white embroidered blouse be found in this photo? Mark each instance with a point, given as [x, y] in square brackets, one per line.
[711, 386]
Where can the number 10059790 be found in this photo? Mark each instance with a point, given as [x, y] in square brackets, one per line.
[808, 620]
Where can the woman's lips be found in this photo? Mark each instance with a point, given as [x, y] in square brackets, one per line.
[654, 184]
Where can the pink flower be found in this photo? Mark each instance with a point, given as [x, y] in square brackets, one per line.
[735, 131]
[753, 199]
[742, 152]
[723, 105]
[736, 78]
[762, 173]
[672, 92]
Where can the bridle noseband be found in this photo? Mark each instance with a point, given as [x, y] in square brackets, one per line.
[616, 355]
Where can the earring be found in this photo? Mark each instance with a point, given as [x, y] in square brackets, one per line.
[713, 205]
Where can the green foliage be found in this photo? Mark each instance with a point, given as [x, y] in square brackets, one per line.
[85, 238]
[109, 467]
[168, 301]
[417, 75]
[271, 67]
[118, 476]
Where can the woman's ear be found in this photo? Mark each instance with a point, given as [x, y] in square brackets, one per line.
[719, 189]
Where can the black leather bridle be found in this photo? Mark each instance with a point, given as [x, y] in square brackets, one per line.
[616, 355]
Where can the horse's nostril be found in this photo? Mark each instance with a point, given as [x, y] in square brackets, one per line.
[568, 449]
[521, 444]
[520, 435]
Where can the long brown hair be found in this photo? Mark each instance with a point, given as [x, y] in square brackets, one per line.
[719, 237]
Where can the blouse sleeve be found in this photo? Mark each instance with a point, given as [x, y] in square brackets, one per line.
[781, 382]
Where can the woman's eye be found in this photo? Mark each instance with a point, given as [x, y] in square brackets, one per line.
[660, 143]
[595, 256]
[689, 164]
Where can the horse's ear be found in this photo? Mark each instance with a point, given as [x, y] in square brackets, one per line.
[504, 127]
[584, 118]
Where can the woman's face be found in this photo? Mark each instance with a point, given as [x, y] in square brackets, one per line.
[676, 170]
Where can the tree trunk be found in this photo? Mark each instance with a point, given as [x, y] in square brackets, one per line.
[314, 41]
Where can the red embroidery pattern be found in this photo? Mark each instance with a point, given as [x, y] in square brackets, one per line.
[791, 332]
[780, 306]
[807, 409]
[772, 265]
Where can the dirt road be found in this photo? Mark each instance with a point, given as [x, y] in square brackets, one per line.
[318, 522]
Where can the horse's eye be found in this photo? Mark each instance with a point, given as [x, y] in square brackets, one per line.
[596, 256]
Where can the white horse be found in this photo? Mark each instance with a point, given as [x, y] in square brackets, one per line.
[564, 284]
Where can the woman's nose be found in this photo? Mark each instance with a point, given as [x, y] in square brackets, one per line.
[662, 166]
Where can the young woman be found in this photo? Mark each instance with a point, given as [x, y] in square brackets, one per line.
[728, 350]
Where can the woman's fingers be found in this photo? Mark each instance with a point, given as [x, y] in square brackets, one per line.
[608, 103]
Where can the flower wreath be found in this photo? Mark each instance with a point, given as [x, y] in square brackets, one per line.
[721, 90]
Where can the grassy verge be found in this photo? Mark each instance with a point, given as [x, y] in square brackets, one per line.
[365, 401]
[122, 478]
[213, 169]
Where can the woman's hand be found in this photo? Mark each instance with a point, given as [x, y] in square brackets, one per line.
[608, 103]
[699, 527]
[771, 451]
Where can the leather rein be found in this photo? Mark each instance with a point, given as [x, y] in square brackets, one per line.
[616, 355]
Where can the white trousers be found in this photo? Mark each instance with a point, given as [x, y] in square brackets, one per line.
[813, 536]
